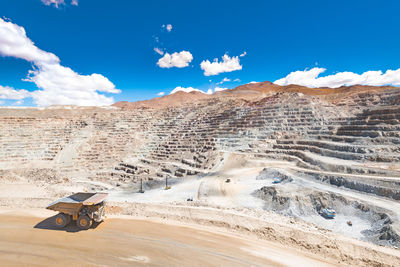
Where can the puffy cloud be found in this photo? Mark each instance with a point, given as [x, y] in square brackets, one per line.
[218, 89]
[224, 80]
[62, 86]
[179, 60]
[253, 82]
[236, 80]
[161, 93]
[15, 43]
[310, 78]
[227, 64]
[168, 27]
[158, 51]
[191, 89]
[243, 54]
[56, 3]
[59, 85]
[186, 89]
[7, 92]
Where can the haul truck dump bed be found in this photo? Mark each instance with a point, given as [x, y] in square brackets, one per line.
[84, 208]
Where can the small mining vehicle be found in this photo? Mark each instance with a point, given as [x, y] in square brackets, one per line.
[328, 213]
[84, 208]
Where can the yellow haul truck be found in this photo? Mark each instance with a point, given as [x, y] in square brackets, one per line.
[84, 208]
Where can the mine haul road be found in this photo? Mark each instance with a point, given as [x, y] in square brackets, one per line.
[31, 240]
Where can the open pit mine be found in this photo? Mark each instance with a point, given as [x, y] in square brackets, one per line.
[307, 176]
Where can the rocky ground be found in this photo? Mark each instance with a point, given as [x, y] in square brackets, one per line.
[221, 154]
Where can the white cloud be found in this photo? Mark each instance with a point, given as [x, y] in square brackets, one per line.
[168, 27]
[243, 54]
[7, 92]
[310, 78]
[236, 80]
[59, 85]
[224, 80]
[191, 89]
[161, 93]
[185, 89]
[15, 43]
[227, 64]
[218, 89]
[179, 60]
[56, 3]
[62, 86]
[158, 51]
[253, 82]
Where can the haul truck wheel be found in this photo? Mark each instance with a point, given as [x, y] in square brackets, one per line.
[84, 222]
[61, 220]
[69, 218]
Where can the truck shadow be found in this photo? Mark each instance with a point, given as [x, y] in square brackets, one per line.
[49, 224]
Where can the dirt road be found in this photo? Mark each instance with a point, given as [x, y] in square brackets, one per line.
[31, 240]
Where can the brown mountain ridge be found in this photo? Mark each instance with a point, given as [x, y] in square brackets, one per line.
[253, 92]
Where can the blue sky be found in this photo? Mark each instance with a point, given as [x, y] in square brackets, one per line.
[117, 39]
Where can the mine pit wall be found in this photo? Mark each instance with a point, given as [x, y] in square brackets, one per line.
[377, 187]
[378, 223]
[353, 136]
[357, 218]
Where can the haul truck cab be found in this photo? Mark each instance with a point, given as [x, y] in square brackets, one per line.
[84, 208]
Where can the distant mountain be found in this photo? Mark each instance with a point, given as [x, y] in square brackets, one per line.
[249, 91]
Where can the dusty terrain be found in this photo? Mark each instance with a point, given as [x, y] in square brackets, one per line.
[127, 242]
[335, 148]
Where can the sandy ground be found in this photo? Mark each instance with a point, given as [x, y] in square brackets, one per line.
[178, 235]
[31, 240]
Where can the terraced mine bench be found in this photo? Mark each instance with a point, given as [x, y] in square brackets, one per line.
[84, 208]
